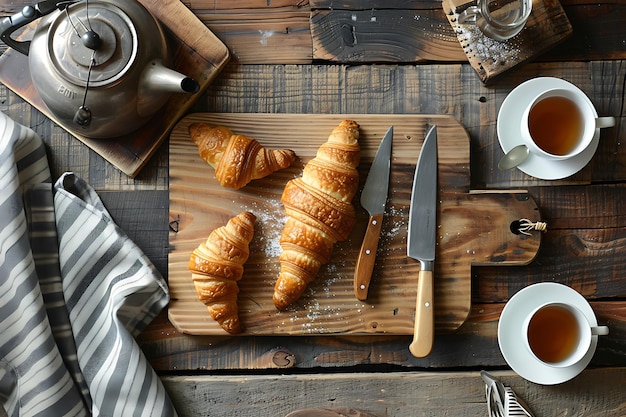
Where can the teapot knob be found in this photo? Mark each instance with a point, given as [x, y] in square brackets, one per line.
[91, 40]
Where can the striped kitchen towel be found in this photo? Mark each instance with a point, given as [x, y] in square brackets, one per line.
[34, 380]
[112, 292]
[74, 292]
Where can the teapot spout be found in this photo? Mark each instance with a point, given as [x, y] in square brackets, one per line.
[158, 78]
[157, 81]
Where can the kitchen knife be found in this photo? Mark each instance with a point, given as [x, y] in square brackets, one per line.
[373, 199]
[421, 242]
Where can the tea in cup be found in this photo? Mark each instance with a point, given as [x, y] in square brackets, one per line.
[498, 19]
[548, 333]
[561, 123]
[557, 124]
[559, 334]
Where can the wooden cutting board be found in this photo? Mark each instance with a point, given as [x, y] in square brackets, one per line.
[196, 52]
[474, 228]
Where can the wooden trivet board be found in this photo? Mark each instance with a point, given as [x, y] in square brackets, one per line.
[197, 52]
[547, 26]
[474, 229]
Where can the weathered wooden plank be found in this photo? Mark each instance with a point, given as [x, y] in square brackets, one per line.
[430, 37]
[595, 26]
[473, 345]
[374, 4]
[285, 36]
[388, 35]
[582, 207]
[266, 32]
[589, 260]
[595, 392]
[142, 215]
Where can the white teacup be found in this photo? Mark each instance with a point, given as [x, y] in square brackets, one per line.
[560, 123]
[559, 334]
[557, 124]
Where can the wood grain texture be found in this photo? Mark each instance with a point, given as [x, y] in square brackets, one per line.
[142, 215]
[594, 393]
[382, 35]
[260, 32]
[474, 228]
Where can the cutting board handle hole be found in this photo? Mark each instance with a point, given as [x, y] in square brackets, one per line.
[515, 227]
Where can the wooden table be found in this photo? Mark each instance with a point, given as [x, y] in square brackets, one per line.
[277, 67]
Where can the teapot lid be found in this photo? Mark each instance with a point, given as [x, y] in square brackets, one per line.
[72, 56]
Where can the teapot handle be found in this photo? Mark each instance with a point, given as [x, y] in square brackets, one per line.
[10, 24]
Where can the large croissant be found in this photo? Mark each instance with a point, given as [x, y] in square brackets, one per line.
[237, 159]
[216, 266]
[319, 212]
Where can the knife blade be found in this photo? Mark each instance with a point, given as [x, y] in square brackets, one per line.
[373, 199]
[421, 242]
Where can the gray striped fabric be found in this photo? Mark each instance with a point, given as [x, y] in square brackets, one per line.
[112, 291]
[74, 292]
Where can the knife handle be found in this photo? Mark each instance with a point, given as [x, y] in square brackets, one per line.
[367, 257]
[423, 333]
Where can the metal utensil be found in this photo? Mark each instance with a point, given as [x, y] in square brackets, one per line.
[421, 242]
[513, 158]
[373, 199]
[501, 400]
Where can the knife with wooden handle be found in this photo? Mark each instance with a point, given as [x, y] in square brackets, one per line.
[421, 242]
[373, 199]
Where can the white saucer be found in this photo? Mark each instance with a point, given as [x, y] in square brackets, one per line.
[509, 135]
[510, 334]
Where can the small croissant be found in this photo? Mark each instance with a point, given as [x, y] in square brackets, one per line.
[237, 159]
[319, 212]
[216, 266]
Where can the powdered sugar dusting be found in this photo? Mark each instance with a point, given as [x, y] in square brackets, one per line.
[270, 222]
[486, 51]
[398, 221]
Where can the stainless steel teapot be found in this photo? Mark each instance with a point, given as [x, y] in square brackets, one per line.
[100, 66]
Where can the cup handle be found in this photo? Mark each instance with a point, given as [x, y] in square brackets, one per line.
[602, 122]
[600, 330]
[469, 15]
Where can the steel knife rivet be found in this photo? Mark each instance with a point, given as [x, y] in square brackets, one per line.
[367, 251]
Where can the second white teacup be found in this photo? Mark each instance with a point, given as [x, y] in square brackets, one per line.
[559, 334]
[561, 123]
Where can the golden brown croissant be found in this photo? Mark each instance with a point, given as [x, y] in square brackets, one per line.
[216, 266]
[319, 212]
[237, 159]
